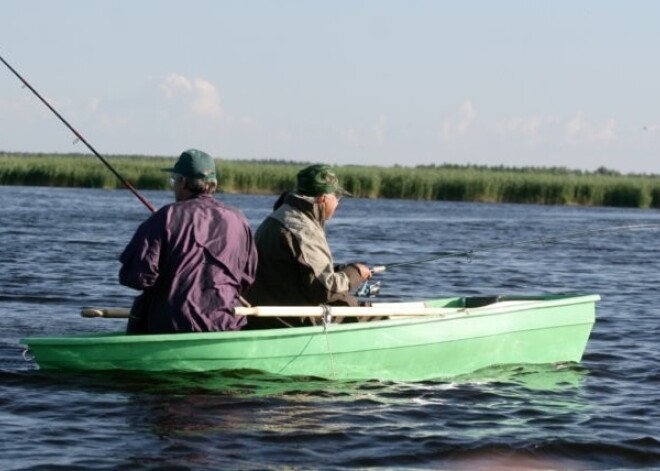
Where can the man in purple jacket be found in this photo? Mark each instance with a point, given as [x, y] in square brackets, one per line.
[192, 259]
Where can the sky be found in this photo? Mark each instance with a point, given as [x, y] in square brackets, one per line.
[573, 84]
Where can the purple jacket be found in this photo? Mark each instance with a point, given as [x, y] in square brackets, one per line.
[192, 259]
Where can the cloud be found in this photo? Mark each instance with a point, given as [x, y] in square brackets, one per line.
[530, 128]
[11, 105]
[197, 95]
[572, 130]
[577, 131]
[352, 136]
[93, 104]
[207, 100]
[175, 84]
[366, 135]
[379, 128]
[27, 105]
[459, 124]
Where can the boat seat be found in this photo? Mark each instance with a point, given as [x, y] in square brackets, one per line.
[479, 301]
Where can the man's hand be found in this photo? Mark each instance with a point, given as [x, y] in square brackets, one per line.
[365, 272]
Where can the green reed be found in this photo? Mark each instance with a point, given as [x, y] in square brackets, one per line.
[446, 182]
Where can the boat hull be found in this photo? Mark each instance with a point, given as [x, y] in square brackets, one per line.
[460, 340]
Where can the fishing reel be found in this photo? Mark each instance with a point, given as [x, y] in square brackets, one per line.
[368, 289]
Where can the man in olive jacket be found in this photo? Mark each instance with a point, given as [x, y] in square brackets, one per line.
[296, 267]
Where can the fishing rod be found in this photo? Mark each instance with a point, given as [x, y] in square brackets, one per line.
[489, 248]
[81, 138]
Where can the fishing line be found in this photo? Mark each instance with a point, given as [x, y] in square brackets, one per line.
[489, 248]
[79, 137]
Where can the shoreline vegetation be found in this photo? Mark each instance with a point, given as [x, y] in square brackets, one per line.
[447, 182]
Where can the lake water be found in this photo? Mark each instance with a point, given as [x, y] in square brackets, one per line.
[59, 250]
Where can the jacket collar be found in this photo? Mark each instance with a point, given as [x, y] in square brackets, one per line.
[307, 205]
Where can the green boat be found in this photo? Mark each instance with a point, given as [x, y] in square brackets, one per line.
[420, 340]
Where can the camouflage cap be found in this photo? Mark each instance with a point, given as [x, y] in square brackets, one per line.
[194, 163]
[317, 180]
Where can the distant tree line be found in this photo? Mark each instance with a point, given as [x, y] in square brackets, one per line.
[449, 182]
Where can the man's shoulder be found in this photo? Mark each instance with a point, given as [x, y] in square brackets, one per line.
[228, 211]
[194, 205]
[205, 201]
[227, 207]
[296, 220]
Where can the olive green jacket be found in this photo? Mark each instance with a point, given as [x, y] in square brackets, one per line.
[295, 265]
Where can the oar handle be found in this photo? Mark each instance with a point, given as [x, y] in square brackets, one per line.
[107, 312]
[378, 269]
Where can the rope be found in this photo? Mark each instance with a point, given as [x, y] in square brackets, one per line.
[327, 319]
[27, 355]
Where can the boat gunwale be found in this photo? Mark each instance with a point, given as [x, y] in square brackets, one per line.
[457, 313]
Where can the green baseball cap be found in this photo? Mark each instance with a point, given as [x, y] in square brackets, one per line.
[194, 163]
[317, 180]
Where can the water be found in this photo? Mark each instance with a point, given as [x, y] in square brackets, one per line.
[59, 253]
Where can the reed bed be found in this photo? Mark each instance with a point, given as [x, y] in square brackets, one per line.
[553, 186]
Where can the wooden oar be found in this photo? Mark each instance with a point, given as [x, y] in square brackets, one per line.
[387, 309]
[413, 309]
